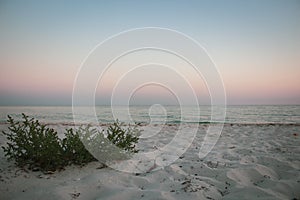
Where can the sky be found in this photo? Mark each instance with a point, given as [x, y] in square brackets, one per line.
[254, 44]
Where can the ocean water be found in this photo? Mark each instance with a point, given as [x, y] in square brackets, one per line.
[252, 114]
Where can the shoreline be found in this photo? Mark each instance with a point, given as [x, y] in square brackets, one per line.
[174, 124]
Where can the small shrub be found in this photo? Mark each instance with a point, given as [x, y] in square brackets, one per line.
[74, 150]
[123, 138]
[31, 143]
[100, 143]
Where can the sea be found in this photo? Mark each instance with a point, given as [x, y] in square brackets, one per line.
[237, 114]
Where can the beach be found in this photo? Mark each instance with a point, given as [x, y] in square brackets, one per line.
[150, 100]
[249, 161]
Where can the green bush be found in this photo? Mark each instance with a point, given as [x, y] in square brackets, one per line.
[33, 144]
[100, 143]
[74, 150]
[123, 138]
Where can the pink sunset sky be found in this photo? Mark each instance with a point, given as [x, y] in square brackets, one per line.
[255, 45]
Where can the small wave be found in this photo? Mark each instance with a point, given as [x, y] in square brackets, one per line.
[235, 123]
[192, 122]
[172, 122]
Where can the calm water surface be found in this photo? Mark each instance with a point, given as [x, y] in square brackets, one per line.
[161, 114]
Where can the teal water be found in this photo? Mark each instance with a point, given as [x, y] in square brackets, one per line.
[277, 114]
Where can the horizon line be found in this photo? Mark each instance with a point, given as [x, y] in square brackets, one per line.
[149, 105]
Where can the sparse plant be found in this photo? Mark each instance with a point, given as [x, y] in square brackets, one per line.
[74, 150]
[33, 144]
[123, 138]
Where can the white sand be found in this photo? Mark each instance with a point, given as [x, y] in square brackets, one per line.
[248, 162]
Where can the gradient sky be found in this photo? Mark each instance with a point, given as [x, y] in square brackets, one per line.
[255, 44]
